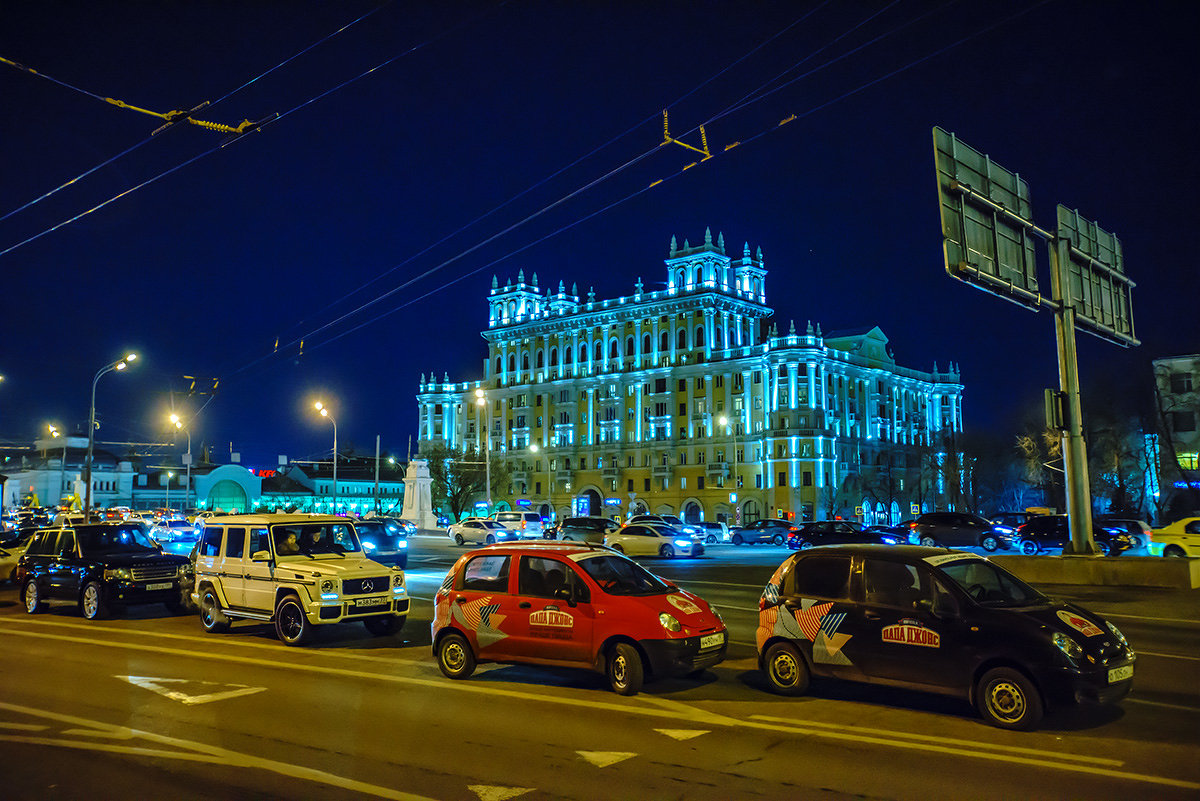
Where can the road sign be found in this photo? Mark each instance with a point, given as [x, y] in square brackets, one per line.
[1095, 279]
[987, 222]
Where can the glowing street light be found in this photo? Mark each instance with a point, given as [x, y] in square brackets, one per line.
[62, 468]
[320, 407]
[187, 497]
[87, 465]
[481, 402]
[724, 421]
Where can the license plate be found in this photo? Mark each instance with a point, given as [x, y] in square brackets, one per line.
[712, 640]
[166, 585]
[1120, 674]
[370, 602]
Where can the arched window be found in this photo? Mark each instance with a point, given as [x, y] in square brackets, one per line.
[679, 279]
[645, 344]
[628, 346]
[681, 339]
[664, 341]
[567, 355]
[512, 363]
[718, 339]
[613, 349]
[512, 309]
[554, 357]
[499, 365]
[583, 352]
[525, 361]
[598, 351]
[699, 276]
[699, 336]
[541, 359]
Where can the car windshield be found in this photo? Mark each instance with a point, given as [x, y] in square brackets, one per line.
[378, 537]
[311, 539]
[617, 575]
[115, 539]
[673, 520]
[990, 584]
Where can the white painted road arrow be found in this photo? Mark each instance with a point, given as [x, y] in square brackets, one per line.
[681, 734]
[602, 759]
[158, 686]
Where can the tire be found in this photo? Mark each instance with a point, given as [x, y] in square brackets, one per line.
[666, 552]
[804, 545]
[1105, 548]
[737, 539]
[624, 669]
[1173, 551]
[1135, 542]
[291, 624]
[211, 616]
[458, 539]
[777, 539]
[711, 539]
[490, 539]
[1006, 699]
[91, 602]
[617, 547]
[455, 658]
[384, 625]
[33, 598]
[989, 542]
[787, 673]
[1029, 547]
[928, 541]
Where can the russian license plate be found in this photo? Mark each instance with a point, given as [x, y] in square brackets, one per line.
[1120, 674]
[361, 602]
[712, 640]
[165, 585]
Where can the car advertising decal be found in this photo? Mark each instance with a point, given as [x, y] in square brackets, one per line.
[683, 604]
[912, 632]
[813, 622]
[479, 616]
[551, 623]
[954, 556]
[1086, 627]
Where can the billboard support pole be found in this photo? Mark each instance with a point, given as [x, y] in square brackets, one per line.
[1079, 506]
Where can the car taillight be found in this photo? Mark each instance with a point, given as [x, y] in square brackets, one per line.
[913, 525]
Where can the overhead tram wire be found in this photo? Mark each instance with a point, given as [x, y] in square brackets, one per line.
[129, 150]
[265, 123]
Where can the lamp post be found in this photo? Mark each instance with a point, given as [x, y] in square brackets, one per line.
[167, 504]
[320, 407]
[62, 468]
[534, 448]
[187, 496]
[733, 431]
[481, 401]
[87, 465]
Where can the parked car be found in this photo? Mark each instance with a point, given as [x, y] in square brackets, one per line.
[939, 621]
[100, 567]
[831, 532]
[383, 541]
[1139, 531]
[957, 529]
[1050, 531]
[479, 530]
[571, 605]
[891, 535]
[771, 530]
[12, 547]
[1181, 538]
[714, 531]
[649, 540]
[670, 521]
[528, 525]
[296, 571]
[584, 529]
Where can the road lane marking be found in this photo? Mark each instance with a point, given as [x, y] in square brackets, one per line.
[1168, 656]
[491, 792]
[1162, 704]
[156, 686]
[22, 726]
[108, 735]
[1155, 619]
[681, 734]
[602, 759]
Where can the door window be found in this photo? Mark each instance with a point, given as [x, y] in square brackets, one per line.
[894, 584]
[211, 545]
[820, 576]
[486, 574]
[542, 578]
[66, 543]
[235, 543]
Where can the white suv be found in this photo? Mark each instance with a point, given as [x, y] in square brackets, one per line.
[528, 525]
[296, 571]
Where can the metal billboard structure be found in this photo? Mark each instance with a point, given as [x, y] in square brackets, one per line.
[987, 230]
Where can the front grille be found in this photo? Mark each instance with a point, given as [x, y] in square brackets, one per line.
[152, 572]
[366, 586]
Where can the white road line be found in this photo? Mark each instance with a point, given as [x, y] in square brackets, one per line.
[1162, 704]
[1168, 656]
[1193, 621]
[22, 726]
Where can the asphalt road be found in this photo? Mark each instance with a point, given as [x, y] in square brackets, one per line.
[148, 705]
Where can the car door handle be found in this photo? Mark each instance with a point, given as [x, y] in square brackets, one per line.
[459, 601]
[524, 605]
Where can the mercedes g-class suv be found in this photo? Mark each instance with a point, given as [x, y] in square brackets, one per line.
[296, 571]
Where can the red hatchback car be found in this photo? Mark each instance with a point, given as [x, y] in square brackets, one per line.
[571, 605]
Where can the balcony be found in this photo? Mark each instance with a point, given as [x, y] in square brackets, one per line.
[610, 473]
[716, 469]
[519, 476]
[563, 476]
[662, 471]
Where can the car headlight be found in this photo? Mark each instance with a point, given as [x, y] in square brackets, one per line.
[402, 544]
[398, 578]
[368, 546]
[1116, 632]
[683, 543]
[668, 622]
[1068, 646]
[328, 590]
[118, 573]
[716, 614]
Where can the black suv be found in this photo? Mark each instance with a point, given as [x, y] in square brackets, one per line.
[101, 567]
[1051, 531]
[958, 529]
[772, 530]
[831, 532]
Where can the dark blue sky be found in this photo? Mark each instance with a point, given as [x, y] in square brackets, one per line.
[1094, 103]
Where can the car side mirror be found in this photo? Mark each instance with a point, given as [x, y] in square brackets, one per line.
[260, 556]
[564, 594]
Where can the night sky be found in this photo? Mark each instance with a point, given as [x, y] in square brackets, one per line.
[499, 136]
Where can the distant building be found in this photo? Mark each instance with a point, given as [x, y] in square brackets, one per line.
[685, 400]
[1177, 393]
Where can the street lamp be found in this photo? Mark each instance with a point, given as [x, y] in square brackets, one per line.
[187, 497]
[481, 401]
[733, 430]
[534, 448]
[87, 465]
[325, 413]
[167, 514]
[62, 468]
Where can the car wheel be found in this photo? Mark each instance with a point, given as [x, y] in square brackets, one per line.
[455, 658]
[91, 602]
[666, 552]
[1029, 547]
[291, 624]
[211, 616]
[989, 542]
[737, 539]
[33, 599]
[384, 625]
[777, 539]
[625, 674]
[1135, 541]
[711, 539]
[491, 539]
[617, 547]
[1171, 550]
[1008, 700]
[458, 539]
[928, 541]
[1104, 547]
[786, 671]
[804, 545]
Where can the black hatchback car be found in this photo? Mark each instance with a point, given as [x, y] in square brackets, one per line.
[831, 532]
[384, 541]
[101, 567]
[956, 529]
[940, 621]
[1050, 531]
[772, 530]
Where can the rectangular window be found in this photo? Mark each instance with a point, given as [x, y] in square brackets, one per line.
[683, 410]
[699, 382]
[1180, 383]
[260, 540]
[782, 478]
[660, 385]
[758, 376]
[820, 576]
[683, 385]
[683, 457]
[645, 485]
[700, 482]
[212, 541]
[719, 381]
[1183, 421]
[758, 480]
[629, 484]
[807, 478]
[235, 543]
[486, 574]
